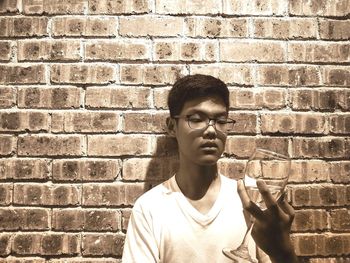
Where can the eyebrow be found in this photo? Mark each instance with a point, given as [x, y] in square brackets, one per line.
[219, 114]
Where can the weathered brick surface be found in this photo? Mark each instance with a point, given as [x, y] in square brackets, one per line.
[102, 245]
[118, 7]
[23, 120]
[8, 97]
[46, 195]
[22, 74]
[117, 97]
[49, 97]
[50, 145]
[48, 50]
[24, 219]
[53, 7]
[85, 170]
[214, 27]
[84, 26]
[24, 169]
[45, 244]
[83, 103]
[23, 26]
[84, 121]
[82, 74]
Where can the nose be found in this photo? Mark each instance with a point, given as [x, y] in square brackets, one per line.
[211, 129]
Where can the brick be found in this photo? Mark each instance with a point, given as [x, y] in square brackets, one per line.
[118, 145]
[138, 26]
[50, 145]
[22, 74]
[246, 123]
[337, 8]
[102, 245]
[168, 50]
[231, 74]
[310, 220]
[84, 121]
[48, 50]
[55, 7]
[111, 194]
[290, 76]
[257, 98]
[23, 121]
[339, 219]
[8, 6]
[88, 220]
[46, 194]
[340, 172]
[281, 28]
[318, 52]
[23, 260]
[336, 76]
[244, 146]
[325, 244]
[214, 27]
[83, 74]
[111, 7]
[246, 51]
[151, 74]
[329, 260]
[325, 147]
[23, 26]
[153, 122]
[6, 193]
[149, 169]
[117, 97]
[85, 170]
[309, 171]
[334, 29]
[188, 7]
[8, 97]
[165, 146]
[5, 50]
[325, 100]
[84, 26]
[232, 168]
[45, 244]
[24, 219]
[49, 97]
[293, 123]
[5, 244]
[85, 260]
[340, 123]
[255, 7]
[7, 144]
[126, 213]
[320, 195]
[112, 50]
[160, 98]
[24, 169]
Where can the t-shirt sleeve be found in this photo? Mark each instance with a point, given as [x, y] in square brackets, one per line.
[140, 244]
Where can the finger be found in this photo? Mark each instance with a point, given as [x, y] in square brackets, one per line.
[249, 206]
[288, 209]
[243, 195]
[266, 194]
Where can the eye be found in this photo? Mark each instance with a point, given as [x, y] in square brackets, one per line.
[195, 118]
[221, 121]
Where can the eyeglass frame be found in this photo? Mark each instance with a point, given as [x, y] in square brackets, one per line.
[208, 120]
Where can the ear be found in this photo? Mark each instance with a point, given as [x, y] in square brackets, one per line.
[170, 125]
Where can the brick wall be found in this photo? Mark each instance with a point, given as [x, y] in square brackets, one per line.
[83, 87]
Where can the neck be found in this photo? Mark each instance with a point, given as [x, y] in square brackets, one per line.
[194, 180]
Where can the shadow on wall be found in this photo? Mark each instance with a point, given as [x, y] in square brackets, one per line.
[164, 162]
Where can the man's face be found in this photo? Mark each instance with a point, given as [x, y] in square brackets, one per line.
[203, 146]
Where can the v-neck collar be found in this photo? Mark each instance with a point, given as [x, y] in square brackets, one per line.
[202, 219]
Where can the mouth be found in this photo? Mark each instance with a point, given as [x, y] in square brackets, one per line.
[209, 146]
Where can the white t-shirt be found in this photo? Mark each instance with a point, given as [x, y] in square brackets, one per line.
[165, 227]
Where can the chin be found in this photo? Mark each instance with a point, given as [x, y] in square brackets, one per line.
[208, 160]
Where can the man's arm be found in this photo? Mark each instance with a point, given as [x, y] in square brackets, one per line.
[271, 230]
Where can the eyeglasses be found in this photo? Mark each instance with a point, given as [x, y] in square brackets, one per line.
[201, 122]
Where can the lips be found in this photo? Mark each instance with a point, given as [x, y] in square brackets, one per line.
[209, 145]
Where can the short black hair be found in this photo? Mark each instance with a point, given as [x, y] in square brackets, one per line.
[195, 86]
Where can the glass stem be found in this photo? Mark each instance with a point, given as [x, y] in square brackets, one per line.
[246, 236]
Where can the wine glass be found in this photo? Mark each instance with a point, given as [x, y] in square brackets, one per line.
[272, 168]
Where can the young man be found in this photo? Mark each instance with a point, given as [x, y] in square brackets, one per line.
[197, 212]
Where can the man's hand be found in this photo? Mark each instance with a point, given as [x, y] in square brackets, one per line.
[271, 226]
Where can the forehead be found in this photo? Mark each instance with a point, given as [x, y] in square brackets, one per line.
[210, 105]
